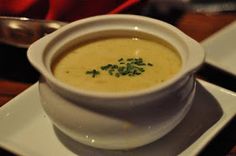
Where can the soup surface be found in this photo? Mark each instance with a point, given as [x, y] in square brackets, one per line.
[117, 64]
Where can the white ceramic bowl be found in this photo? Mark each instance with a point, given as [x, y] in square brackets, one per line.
[116, 120]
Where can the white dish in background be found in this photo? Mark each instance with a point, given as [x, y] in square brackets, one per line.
[26, 130]
[221, 49]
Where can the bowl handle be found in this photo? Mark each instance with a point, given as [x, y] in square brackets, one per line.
[196, 56]
[35, 53]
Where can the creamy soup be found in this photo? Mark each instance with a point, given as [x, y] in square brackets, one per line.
[117, 64]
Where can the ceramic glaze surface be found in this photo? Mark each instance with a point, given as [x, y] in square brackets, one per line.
[125, 129]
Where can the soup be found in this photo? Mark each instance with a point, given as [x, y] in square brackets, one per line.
[117, 64]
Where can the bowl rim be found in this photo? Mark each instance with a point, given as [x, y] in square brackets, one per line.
[63, 87]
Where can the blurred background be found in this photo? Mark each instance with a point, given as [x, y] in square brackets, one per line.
[24, 31]
[24, 21]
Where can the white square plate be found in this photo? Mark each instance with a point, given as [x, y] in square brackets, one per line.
[221, 49]
[26, 130]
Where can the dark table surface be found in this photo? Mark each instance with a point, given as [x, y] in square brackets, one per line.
[16, 74]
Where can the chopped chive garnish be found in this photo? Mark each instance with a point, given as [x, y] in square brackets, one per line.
[149, 64]
[121, 59]
[129, 67]
[114, 66]
[117, 75]
[106, 67]
[130, 59]
[93, 72]
[111, 71]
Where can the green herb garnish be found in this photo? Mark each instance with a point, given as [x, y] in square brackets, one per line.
[106, 67]
[117, 75]
[129, 67]
[121, 59]
[93, 72]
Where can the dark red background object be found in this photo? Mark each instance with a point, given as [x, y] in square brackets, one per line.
[64, 10]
